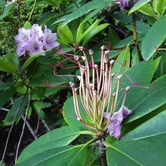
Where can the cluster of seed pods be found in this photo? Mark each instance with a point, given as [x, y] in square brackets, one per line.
[95, 89]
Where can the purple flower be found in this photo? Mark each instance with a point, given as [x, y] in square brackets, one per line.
[114, 126]
[35, 46]
[122, 4]
[49, 39]
[34, 40]
[22, 39]
[36, 31]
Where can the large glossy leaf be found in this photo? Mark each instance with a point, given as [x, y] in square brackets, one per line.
[6, 95]
[154, 38]
[16, 111]
[5, 85]
[150, 128]
[31, 59]
[140, 26]
[145, 101]
[56, 138]
[148, 10]
[65, 34]
[128, 40]
[141, 73]
[7, 66]
[13, 58]
[122, 17]
[149, 152]
[68, 109]
[143, 146]
[160, 5]
[60, 156]
[93, 32]
[91, 6]
[2, 3]
[87, 31]
[138, 5]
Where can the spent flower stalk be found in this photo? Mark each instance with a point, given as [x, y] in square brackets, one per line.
[95, 91]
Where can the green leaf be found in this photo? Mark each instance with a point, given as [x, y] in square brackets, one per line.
[37, 106]
[16, 110]
[146, 130]
[27, 25]
[13, 58]
[143, 146]
[154, 38]
[88, 30]
[61, 156]
[138, 5]
[93, 32]
[40, 92]
[2, 3]
[122, 17]
[128, 40]
[7, 66]
[56, 138]
[7, 11]
[113, 37]
[142, 103]
[160, 5]
[138, 152]
[79, 32]
[141, 27]
[148, 10]
[123, 57]
[65, 34]
[68, 109]
[31, 59]
[87, 8]
[46, 75]
[5, 85]
[6, 95]
[143, 73]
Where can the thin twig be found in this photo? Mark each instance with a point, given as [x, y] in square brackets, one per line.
[45, 125]
[135, 37]
[118, 29]
[23, 128]
[38, 121]
[9, 133]
[30, 128]
[27, 124]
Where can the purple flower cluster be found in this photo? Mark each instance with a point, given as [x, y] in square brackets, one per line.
[10, 2]
[114, 126]
[122, 4]
[35, 40]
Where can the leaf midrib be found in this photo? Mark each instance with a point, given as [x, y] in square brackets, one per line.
[125, 154]
[76, 133]
[55, 155]
[148, 97]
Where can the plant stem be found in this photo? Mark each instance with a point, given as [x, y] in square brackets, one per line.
[102, 151]
[23, 128]
[33, 8]
[18, 14]
[135, 37]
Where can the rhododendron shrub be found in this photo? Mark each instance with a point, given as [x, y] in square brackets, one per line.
[94, 104]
